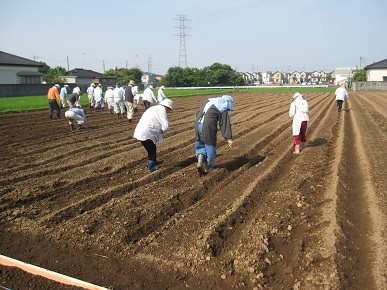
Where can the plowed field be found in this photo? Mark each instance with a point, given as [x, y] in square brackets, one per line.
[82, 204]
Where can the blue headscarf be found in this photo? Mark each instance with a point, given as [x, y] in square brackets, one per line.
[223, 103]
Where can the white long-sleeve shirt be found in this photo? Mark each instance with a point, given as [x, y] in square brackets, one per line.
[148, 95]
[341, 94]
[97, 94]
[160, 95]
[152, 125]
[299, 111]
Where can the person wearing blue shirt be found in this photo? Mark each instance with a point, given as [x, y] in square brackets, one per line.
[78, 115]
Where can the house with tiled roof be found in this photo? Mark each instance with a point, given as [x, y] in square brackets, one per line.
[84, 77]
[19, 70]
[377, 71]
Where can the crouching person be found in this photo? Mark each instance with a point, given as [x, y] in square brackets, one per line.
[77, 115]
[212, 112]
[151, 128]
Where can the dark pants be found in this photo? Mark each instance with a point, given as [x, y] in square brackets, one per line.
[147, 104]
[53, 105]
[150, 147]
[339, 104]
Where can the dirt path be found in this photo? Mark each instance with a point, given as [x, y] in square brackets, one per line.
[83, 205]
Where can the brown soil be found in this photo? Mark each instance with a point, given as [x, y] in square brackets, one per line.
[82, 204]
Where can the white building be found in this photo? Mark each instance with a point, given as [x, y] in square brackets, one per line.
[344, 74]
[377, 71]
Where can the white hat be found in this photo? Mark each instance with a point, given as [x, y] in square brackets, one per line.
[162, 87]
[167, 103]
[296, 95]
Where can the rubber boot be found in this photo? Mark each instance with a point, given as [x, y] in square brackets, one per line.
[158, 162]
[208, 167]
[79, 126]
[151, 166]
[201, 163]
[71, 127]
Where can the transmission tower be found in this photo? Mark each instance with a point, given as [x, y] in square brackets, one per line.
[182, 28]
[149, 63]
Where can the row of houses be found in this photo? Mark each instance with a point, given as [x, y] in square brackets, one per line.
[18, 70]
[296, 77]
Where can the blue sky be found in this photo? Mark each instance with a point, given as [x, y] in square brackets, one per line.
[249, 35]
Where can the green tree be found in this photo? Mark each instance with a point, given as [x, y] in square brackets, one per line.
[44, 69]
[174, 77]
[54, 75]
[215, 75]
[360, 76]
[124, 75]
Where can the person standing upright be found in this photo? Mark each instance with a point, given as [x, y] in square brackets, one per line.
[148, 97]
[109, 99]
[160, 94]
[53, 99]
[119, 105]
[129, 99]
[136, 98]
[341, 95]
[90, 94]
[299, 111]
[98, 98]
[63, 95]
[211, 113]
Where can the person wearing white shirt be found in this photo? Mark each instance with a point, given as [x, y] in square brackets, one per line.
[148, 97]
[160, 94]
[136, 98]
[109, 99]
[119, 104]
[299, 111]
[77, 90]
[151, 128]
[90, 94]
[98, 97]
[341, 95]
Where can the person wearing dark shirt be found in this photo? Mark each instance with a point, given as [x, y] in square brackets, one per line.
[211, 113]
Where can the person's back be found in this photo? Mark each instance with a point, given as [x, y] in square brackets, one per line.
[341, 93]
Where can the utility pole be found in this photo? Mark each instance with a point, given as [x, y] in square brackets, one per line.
[68, 66]
[136, 60]
[103, 63]
[182, 28]
[84, 60]
[361, 58]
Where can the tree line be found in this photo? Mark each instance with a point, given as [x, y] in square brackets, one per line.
[216, 74]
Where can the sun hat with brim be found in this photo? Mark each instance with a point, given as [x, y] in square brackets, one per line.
[167, 103]
[132, 82]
